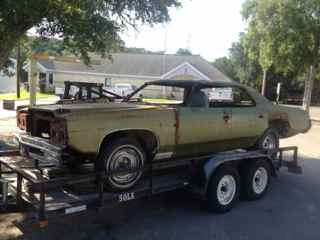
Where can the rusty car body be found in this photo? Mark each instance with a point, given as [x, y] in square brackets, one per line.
[131, 132]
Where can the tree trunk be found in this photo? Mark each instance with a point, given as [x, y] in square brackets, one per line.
[308, 87]
[264, 83]
[18, 70]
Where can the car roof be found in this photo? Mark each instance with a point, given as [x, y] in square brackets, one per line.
[193, 83]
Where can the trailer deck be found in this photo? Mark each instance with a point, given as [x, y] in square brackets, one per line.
[52, 192]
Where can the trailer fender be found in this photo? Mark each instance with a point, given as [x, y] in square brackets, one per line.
[213, 164]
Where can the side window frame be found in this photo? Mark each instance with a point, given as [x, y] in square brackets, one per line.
[233, 105]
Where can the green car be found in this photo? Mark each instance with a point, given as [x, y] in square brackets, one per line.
[165, 119]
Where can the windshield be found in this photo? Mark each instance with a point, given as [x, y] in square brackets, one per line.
[158, 95]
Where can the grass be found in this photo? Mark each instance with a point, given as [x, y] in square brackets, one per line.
[161, 100]
[24, 95]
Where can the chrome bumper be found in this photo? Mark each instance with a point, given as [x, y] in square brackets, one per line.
[40, 149]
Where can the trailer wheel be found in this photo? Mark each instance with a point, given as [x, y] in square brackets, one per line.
[256, 179]
[223, 190]
[121, 154]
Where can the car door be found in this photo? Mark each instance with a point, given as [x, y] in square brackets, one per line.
[202, 130]
[247, 123]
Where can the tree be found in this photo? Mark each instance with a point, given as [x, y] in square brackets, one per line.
[225, 65]
[288, 35]
[84, 26]
[184, 51]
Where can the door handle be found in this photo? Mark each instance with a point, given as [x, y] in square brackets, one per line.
[260, 116]
[226, 117]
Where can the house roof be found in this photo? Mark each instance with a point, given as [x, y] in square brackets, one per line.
[193, 83]
[153, 65]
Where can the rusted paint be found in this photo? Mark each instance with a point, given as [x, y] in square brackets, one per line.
[22, 120]
[177, 126]
[278, 116]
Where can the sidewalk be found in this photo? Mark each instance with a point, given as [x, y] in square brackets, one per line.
[4, 114]
[315, 114]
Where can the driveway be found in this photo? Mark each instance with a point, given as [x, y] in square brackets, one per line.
[290, 210]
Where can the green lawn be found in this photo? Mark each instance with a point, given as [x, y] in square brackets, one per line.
[161, 101]
[24, 95]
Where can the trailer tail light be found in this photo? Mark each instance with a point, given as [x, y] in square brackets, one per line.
[58, 131]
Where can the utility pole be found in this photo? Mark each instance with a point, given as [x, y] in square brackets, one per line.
[308, 88]
[264, 83]
[32, 80]
[18, 70]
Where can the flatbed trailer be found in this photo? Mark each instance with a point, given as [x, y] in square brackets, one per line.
[55, 192]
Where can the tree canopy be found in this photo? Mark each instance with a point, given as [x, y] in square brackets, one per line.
[183, 51]
[84, 25]
[284, 34]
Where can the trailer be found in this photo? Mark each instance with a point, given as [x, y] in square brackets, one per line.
[216, 178]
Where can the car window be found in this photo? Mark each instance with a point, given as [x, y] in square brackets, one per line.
[229, 97]
[161, 95]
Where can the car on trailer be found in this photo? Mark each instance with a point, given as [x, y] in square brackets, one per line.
[205, 118]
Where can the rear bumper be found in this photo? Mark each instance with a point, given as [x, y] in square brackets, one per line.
[40, 149]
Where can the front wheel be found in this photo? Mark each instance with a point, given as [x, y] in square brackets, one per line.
[122, 154]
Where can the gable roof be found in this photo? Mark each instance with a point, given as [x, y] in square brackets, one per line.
[132, 64]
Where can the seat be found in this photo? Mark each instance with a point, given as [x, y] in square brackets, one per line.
[198, 99]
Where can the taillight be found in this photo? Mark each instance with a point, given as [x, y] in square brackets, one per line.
[58, 131]
[22, 120]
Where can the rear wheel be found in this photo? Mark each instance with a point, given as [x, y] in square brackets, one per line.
[122, 154]
[223, 190]
[256, 179]
[269, 140]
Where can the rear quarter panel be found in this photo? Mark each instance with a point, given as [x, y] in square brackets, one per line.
[87, 131]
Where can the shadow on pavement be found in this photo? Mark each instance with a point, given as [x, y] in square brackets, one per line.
[290, 210]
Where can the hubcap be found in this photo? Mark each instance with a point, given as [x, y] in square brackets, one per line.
[124, 158]
[260, 180]
[226, 189]
[269, 142]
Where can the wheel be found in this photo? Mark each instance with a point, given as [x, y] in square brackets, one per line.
[256, 178]
[121, 154]
[223, 190]
[269, 140]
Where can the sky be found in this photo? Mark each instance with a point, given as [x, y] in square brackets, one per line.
[206, 27]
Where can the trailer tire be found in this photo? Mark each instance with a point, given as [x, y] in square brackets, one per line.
[256, 179]
[223, 189]
[123, 153]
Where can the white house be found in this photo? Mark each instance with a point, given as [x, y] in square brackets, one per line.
[128, 68]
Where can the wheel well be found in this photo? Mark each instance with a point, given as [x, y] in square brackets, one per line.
[146, 138]
[282, 126]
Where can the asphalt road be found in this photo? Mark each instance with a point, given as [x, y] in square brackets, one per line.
[290, 210]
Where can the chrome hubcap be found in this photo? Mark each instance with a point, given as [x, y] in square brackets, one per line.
[226, 189]
[260, 180]
[124, 158]
[269, 142]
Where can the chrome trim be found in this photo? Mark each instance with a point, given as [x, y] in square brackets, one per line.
[51, 153]
[163, 155]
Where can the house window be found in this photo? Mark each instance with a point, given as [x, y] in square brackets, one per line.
[51, 78]
[107, 82]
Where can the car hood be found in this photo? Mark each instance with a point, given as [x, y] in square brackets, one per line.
[66, 109]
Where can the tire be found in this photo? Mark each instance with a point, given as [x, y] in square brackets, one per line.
[256, 179]
[121, 154]
[269, 140]
[225, 180]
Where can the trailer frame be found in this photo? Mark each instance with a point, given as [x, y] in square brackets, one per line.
[14, 174]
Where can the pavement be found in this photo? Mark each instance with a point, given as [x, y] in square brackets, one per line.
[290, 210]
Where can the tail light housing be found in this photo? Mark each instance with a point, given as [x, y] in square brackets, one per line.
[23, 120]
[58, 131]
